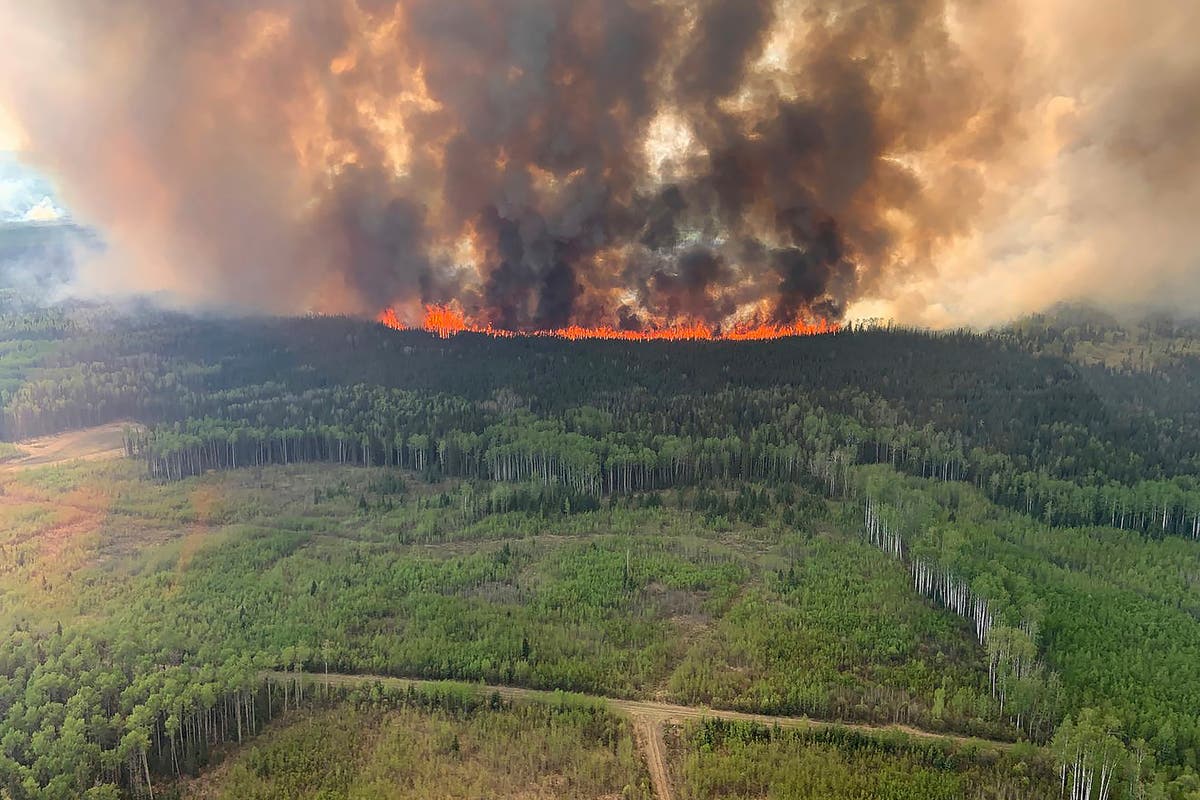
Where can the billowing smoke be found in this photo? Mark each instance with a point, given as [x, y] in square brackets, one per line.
[622, 162]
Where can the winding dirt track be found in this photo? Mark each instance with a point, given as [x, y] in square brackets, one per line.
[648, 718]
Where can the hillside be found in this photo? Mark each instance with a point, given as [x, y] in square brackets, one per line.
[971, 535]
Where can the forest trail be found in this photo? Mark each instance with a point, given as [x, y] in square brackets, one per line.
[87, 444]
[649, 735]
[648, 717]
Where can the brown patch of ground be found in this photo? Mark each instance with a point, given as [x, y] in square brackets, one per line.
[73, 514]
[89, 444]
[76, 522]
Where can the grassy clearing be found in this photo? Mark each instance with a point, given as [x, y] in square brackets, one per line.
[525, 751]
[715, 760]
[379, 572]
[848, 639]
[358, 571]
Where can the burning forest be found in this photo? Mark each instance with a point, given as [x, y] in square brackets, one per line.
[630, 169]
[445, 321]
[641, 167]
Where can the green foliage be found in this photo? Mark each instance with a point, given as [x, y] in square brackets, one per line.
[178, 593]
[743, 760]
[1116, 618]
[518, 751]
[847, 639]
[601, 517]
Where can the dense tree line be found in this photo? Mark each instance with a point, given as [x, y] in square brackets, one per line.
[587, 451]
[1038, 431]
[1113, 621]
[976, 390]
[83, 716]
[1029, 695]
[1072, 427]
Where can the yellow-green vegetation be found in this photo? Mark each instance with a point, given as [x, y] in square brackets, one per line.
[189, 588]
[283, 561]
[841, 622]
[718, 760]
[9, 451]
[366, 752]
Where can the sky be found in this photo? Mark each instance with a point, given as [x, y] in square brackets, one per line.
[10, 133]
[628, 162]
[25, 194]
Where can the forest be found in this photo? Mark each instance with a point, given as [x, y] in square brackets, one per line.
[984, 535]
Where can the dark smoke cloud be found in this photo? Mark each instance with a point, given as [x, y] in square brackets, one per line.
[689, 289]
[728, 35]
[541, 162]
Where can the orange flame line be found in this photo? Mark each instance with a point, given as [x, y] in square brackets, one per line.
[445, 322]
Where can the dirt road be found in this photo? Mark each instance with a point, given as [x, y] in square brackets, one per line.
[648, 718]
[649, 735]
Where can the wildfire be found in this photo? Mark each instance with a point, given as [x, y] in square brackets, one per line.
[445, 321]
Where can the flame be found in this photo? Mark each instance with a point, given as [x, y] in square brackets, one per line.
[388, 317]
[446, 321]
[443, 321]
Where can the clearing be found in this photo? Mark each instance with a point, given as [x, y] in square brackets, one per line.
[648, 717]
[87, 444]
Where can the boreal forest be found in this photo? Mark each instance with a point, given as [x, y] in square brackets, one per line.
[315, 557]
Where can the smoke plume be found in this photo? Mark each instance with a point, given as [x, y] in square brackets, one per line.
[633, 163]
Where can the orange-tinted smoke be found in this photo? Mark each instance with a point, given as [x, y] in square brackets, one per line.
[630, 164]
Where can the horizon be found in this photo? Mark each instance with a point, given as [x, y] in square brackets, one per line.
[769, 163]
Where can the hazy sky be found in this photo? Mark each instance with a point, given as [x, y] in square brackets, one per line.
[626, 161]
[10, 135]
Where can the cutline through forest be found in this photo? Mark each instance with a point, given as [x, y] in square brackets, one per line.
[648, 716]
